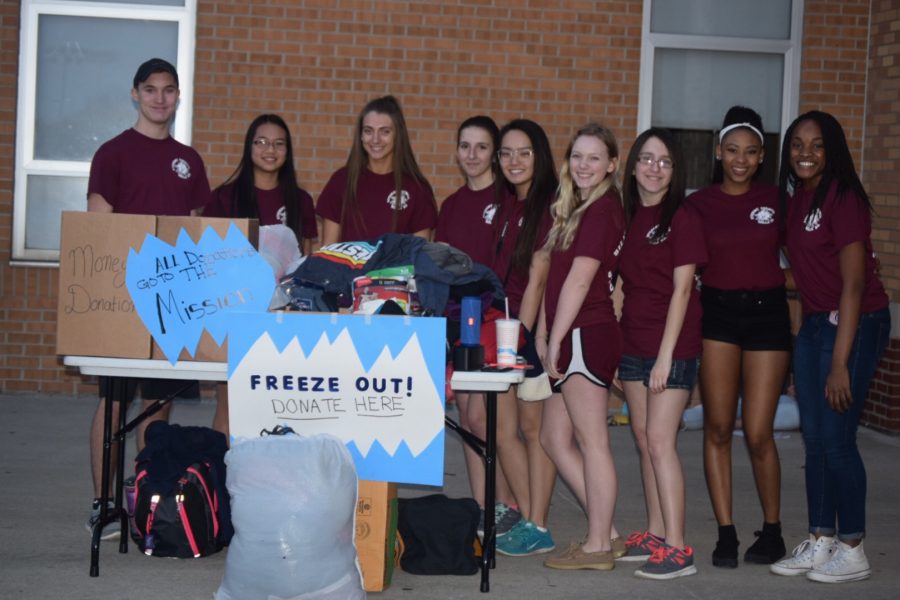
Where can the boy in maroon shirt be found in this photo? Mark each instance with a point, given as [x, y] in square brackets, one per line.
[143, 170]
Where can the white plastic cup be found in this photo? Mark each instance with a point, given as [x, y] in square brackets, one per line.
[507, 341]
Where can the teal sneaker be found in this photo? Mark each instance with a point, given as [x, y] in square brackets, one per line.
[525, 539]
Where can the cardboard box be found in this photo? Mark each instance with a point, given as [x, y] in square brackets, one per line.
[95, 315]
[376, 531]
[168, 229]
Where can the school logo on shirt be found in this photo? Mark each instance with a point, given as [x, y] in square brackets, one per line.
[812, 222]
[281, 215]
[404, 200]
[764, 215]
[661, 238]
[181, 168]
[490, 211]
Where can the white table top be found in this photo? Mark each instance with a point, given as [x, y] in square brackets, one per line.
[148, 369]
[486, 381]
[468, 381]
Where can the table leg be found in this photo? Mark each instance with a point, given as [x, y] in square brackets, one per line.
[488, 560]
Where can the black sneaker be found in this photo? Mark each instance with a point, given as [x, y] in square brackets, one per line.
[768, 547]
[726, 552]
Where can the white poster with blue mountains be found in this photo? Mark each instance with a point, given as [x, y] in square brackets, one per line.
[377, 383]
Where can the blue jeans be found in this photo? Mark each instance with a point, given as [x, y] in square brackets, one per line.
[835, 474]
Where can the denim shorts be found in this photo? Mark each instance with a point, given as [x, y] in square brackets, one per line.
[682, 376]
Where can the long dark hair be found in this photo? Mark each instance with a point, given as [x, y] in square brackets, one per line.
[735, 115]
[838, 163]
[403, 160]
[243, 195]
[540, 195]
[674, 195]
[487, 124]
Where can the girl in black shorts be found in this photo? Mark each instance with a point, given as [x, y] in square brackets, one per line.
[746, 332]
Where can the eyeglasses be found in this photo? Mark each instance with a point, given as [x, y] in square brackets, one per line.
[648, 161]
[507, 154]
[264, 143]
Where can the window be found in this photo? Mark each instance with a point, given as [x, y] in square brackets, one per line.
[700, 57]
[76, 64]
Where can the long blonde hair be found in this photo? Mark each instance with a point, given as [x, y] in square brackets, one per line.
[569, 206]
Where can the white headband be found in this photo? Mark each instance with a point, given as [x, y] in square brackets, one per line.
[725, 130]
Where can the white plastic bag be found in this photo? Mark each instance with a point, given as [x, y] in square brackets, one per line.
[293, 502]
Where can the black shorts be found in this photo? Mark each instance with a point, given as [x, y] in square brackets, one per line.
[753, 320]
[154, 389]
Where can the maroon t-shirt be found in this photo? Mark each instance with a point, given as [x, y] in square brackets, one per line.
[814, 244]
[140, 175]
[647, 282]
[512, 215]
[270, 205]
[599, 236]
[376, 198]
[742, 237]
[468, 220]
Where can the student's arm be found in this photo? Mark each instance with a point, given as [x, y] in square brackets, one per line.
[852, 261]
[571, 297]
[683, 278]
[331, 232]
[534, 290]
[540, 331]
[306, 247]
[424, 233]
[97, 203]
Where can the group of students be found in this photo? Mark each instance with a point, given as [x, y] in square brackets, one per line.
[558, 243]
[701, 276]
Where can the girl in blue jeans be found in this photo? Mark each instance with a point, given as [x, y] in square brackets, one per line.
[845, 330]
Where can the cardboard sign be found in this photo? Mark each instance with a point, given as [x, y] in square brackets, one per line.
[377, 383]
[96, 316]
[182, 290]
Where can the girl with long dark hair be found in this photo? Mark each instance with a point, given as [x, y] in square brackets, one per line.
[846, 327]
[661, 340]
[381, 188]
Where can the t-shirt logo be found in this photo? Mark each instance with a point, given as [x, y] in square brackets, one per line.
[661, 238]
[404, 199]
[764, 215]
[281, 215]
[181, 168]
[812, 222]
[490, 211]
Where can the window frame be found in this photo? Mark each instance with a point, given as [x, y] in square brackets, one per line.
[25, 163]
[790, 49]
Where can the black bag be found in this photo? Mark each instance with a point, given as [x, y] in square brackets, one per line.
[181, 503]
[438, 535]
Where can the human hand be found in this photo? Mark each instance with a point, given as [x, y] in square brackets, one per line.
[837, 389]
[659, 375]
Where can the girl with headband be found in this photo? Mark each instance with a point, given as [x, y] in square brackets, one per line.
[746, 332]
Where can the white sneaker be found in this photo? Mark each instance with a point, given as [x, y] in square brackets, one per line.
[808, 555]
[848, 563]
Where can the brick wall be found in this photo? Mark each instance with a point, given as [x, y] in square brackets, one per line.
[561, 62]
[318, 63]
[881, 177]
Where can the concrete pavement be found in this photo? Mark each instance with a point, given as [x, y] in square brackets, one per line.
[45, 493]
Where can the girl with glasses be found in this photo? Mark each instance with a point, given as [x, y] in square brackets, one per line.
[521, 263]
[846, 326]
[579, 341]
[264, 186]
[661, 340]
[381, 188]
